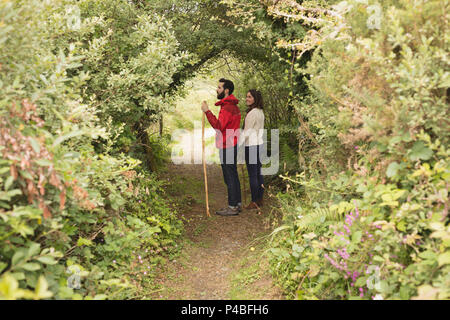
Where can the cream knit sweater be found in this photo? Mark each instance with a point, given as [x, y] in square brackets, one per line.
[253, 128]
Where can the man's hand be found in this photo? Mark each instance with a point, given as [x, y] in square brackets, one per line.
[204, 106]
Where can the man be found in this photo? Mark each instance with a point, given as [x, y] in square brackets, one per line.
[227, 136]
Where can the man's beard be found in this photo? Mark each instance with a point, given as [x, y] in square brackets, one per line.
[220, 96]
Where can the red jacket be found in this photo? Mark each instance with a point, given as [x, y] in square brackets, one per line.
[227, 126]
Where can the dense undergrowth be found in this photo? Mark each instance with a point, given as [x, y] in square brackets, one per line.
[366, 216]
[79, 218]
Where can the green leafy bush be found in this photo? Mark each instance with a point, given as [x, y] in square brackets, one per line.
[78, 221]
[377, 111]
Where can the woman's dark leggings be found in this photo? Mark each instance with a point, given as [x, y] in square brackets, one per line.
[253, 161]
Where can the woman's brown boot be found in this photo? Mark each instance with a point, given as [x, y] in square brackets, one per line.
[252, 205]
[260, 202]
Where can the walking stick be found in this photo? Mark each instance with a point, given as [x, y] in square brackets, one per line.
[204, 164]
[245, 188]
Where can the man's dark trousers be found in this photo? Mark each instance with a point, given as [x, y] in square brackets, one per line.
[228, 161]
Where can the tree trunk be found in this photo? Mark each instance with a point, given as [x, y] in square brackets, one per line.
[145, 142]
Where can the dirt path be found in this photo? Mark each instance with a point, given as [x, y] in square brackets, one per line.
[221, 257]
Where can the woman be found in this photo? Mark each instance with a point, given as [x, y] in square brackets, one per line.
[252, 137]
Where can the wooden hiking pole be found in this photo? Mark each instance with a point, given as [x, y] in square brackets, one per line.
[204, 164]
[245, 188]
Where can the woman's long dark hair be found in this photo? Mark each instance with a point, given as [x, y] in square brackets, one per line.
[257, 104]
[258, 100]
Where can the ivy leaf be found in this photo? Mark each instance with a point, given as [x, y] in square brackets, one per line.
[392, 169]
[420, 151]
[444, 258]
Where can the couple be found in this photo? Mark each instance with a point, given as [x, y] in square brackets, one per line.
[228, 137]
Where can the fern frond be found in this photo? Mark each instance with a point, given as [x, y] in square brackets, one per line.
[317, 217]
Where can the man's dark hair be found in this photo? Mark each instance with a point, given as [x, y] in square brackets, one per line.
[227, 84]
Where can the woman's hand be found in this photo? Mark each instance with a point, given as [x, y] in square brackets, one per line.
[204, 106]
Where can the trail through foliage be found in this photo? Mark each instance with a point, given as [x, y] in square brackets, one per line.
[91, 91]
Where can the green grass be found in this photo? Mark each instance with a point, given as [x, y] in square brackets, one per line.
[200, 228]
[189, 189]
[249, 270]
